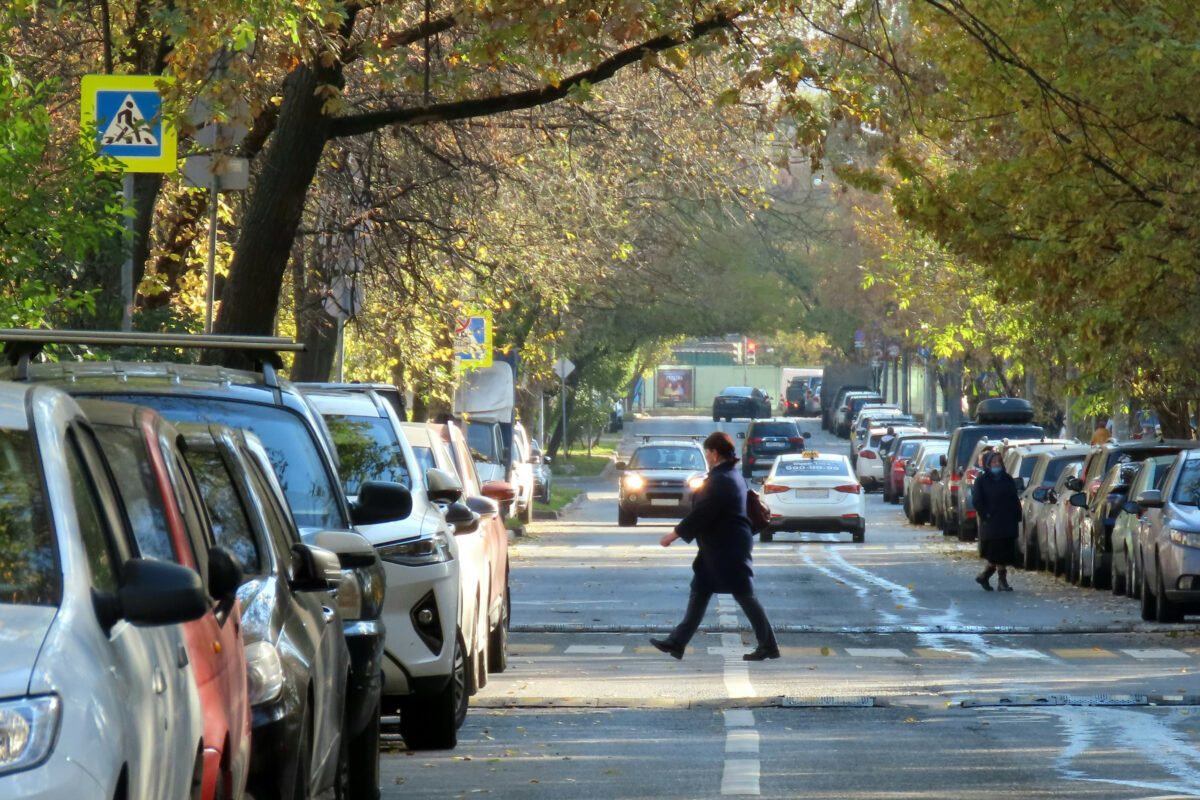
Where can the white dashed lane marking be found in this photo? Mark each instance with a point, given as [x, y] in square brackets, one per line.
[875, 652]
[595, 649]
[740, 776]
[1148, 654]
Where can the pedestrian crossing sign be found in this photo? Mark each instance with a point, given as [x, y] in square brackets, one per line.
[125, 114]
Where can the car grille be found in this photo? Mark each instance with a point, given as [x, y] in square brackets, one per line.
[664, 484]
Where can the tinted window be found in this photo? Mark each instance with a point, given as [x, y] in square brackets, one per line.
[482, 441]
[1027, 465]
[29, 571]
[812, 467]
[91, 524]
[280, 526]
[230, 522]
[667, 458]
[970, 436]
[1187, 486]
[907, 449]
[1055, 468]
[796, 391]
[784, 429]
[368, 451]
[424, 456]
[736, 391]
[126, 451]
[289, 442]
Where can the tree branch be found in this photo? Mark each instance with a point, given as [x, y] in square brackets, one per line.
[391, 41]
[515, 101]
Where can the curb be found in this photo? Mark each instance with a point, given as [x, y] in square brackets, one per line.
[549, 515]
[879, 629]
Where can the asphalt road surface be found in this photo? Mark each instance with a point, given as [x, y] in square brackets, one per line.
[900, 677]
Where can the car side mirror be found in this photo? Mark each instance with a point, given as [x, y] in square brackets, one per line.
[462, 518]
[314, 569]
[500, 491]
[224, 573]
[1150, 498]
[935, 475]
[1074, 484]
[485, 507]
[1079, 500]
[621, 466]
[153, 592]
[442, 486]
[351, 549]
[806, 435]
[1131, 507]
[741, 435]
[1040, 494]
[381, 501]
[1051, 496]
[547, 460]
[1020, 482]
[943, 460]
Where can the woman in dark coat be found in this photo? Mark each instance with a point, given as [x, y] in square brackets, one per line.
[721, 530]
[998, 506]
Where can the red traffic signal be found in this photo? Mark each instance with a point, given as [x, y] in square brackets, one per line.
[751, 346]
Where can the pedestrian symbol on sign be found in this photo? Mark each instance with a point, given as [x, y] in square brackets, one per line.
[129, 126]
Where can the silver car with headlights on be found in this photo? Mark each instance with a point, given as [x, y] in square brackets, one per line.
[660, 480]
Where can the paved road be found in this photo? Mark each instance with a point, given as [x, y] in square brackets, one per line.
[900, 677]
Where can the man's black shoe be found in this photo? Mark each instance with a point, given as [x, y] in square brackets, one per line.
[668, 647]
[762, 653]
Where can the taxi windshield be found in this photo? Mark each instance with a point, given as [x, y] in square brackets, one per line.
[667, 458]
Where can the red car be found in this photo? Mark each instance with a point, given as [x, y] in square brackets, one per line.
[169, 521]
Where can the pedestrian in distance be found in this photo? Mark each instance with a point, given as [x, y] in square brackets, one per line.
[1102, 433]
[719, 526]
[998, 506]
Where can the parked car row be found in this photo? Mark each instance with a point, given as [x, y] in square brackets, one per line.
[253, 572]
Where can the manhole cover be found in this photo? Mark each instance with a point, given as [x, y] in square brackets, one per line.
[828, 702]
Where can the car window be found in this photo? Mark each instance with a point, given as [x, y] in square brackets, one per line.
[1187, 484]
[29, 569]
[736, 391]
[368, 451]
[289, 442]
[125, 449]
[230, 520]
[667, 458]
[424, 457]
[280, 526]
[787, 429]
[1055, 468]
[907, 449]
[812, 467]
[482, 441]
[92, 527]
[191, 506]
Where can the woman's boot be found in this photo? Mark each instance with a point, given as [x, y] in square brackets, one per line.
[1003, 581]
[983, 578]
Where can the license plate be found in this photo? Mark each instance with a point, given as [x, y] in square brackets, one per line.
[774, 445]
[812, 494]
[664, 502]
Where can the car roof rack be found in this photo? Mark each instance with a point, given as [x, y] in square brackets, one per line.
[21, 345]
[648, 437]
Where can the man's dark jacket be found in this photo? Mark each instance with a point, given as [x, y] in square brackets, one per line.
[719, 526]
[998, 506]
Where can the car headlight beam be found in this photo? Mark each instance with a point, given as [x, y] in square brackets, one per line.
[28, 728]
[633, 481]
[695, 483]
[264, 673]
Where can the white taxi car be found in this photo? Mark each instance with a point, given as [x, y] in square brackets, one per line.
[814, 493]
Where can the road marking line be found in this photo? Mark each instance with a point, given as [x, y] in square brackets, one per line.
[649, 650]
[1082, 652]
[930, 652]
[727, 619]
[741, 741]
[739, 718]
[522, 649]
[802, 652]
[595, 649]
[1154, 653]
[1013, 652]
[740, 777]
[876, 652]
[737, 672]
[727, 652]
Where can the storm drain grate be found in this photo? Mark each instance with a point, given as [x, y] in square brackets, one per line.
[828, 702]
[1033, 700]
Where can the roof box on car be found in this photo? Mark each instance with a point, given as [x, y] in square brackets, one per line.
[1004, 411]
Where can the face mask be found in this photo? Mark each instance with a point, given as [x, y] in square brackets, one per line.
[997, 470]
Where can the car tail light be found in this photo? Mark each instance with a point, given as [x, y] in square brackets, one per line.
[866, 454]
[754, 440]
[954, 486]
[970, 515]
[849, 488]
[749, 459]
[898, 464]
[774, 488]
[796, 440]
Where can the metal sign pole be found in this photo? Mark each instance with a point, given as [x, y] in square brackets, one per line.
[563, 390]
[127, 266]
[212, 251]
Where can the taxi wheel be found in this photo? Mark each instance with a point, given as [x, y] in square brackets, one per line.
[860, 535]
[626, 519]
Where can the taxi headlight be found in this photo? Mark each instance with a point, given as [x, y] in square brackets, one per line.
[633, 481]
[695, 483]
[1185, 538]
[420, 552]
[27, 730]
[264, 673]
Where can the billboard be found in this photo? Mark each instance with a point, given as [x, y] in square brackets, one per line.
[674, 386]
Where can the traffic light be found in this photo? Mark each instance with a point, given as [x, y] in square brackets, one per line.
[751, 352]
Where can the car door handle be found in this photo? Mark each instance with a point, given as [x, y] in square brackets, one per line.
[160, 682]
[181, 657]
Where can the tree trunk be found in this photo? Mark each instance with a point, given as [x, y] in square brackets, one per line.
[316, 329]
[250, 298]
[1173, 417]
